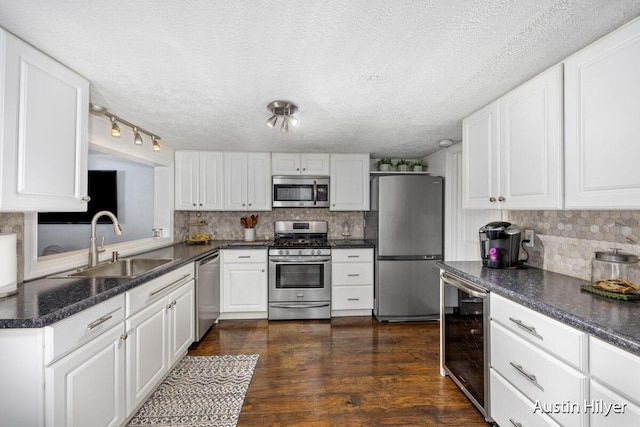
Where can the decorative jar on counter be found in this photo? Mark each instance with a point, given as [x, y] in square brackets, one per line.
[615, 266]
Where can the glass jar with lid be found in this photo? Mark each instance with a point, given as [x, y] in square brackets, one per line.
[615, 266]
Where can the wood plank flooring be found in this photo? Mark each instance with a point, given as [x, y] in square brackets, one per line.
[349, 371]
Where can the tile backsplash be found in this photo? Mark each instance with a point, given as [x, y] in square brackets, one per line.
[226, 225]
[567, 240]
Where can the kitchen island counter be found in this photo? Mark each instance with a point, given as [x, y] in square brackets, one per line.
[559, 297]
[41, 302]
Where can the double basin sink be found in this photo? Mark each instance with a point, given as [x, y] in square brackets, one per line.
[122, 268]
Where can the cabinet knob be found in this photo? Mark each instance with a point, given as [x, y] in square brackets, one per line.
[304, 169]
[168, 307]
[297, 169]
[200, 204]
[249, 204]
[492, 199]
[501, 199]
[243, 204]
[194, 204]
[86, 198]
[124, 337]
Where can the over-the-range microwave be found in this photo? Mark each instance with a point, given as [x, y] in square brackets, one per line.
[300, 191]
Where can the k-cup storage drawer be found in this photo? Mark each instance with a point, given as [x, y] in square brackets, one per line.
[68, 334]
[351, 274]
[151, 291]
[352, 298]
[561, 340]
[244, 255]
[511, 408]
[352, 255]
[549, 383]
[617, 368]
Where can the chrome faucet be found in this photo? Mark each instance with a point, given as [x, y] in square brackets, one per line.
[93, 246]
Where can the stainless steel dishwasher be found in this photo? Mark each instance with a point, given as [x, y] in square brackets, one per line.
[207, 293]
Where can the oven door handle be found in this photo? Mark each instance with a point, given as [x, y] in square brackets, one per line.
[315, 192]
[464, 286]
[301, 260]
[298, 305]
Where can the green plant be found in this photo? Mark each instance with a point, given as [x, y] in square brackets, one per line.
[384, 162]
[416, 163]
[403, 162]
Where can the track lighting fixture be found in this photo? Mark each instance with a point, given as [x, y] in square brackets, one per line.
[137, 139]
[137, 131]
[285, 110]
[115, 129]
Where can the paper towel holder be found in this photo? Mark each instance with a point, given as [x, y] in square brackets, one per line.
[8, 272]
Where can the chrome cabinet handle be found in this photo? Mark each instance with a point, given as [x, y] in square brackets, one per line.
[501, 199]
[244, 256]
[527, 328]
[532, 378]
[353, 299]
[98, 322]
[515, 423]
[86, 198]
[157, 291]
[353, 275]
[353, 256]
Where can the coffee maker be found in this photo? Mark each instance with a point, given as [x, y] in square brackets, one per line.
[500, 244]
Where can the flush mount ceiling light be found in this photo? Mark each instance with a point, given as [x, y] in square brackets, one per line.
[137, 131]
[285, 110]
[446, 143]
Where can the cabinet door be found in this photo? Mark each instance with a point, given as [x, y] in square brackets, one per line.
[210, 181]
[86, 387]
[244, 287]
[314, 164]
[147, 358]
[349, 185]
[285, 164]
[186, 180]
[602, 106]
[182, 318]
[235, 181]
[480, 158]
[531, 144]
[45, 131]
[259, 181]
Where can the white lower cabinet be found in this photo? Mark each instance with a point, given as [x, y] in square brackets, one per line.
[86, 387]
[351, 282]
[159, 334]
[244, 284]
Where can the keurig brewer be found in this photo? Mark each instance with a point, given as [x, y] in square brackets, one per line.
[500, 244]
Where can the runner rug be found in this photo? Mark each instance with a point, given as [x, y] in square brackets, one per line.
[200, 391]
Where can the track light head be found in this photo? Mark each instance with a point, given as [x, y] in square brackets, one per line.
[137, 139]
[154, 143]
[115, 129]
[271, 122]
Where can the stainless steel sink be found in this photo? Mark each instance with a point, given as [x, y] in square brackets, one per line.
[123, 268]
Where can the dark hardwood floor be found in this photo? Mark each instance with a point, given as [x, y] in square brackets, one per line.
[350, 371]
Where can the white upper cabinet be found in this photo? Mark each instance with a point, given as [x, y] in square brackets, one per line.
[602, 113]
[349, 182]
[198, 180]
[247, 181]
[512, 148]
[44, 115]
[299, 164]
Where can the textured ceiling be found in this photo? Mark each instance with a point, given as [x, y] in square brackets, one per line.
[387, 77]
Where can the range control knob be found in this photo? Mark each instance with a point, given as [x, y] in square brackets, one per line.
[280, 252]
[299, 251]
[286, 252]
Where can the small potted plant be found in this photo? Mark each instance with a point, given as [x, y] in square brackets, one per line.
[416, 166]
[384, 164]
[403, 165]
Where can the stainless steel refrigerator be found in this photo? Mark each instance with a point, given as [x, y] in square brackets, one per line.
[406, 224]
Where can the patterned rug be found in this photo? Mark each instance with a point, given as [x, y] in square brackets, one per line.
[200, 391]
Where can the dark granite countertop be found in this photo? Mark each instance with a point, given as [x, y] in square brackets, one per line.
[42, 302]
[559, 297]
[350, 244]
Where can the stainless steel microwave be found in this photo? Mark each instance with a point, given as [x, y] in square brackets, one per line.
[300, 191]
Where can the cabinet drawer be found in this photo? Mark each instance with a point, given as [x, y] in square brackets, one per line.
[561, 340]
[352, 298]
[139, 297]
[609, 409]
[512, 408]
[352, 255]
[62, 337]
[351, 274]
[242, 255]
[538, 375]
[617, 368]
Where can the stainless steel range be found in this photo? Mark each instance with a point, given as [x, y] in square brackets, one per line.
[300, 271]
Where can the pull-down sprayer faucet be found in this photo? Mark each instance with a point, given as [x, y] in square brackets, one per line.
[93, 245]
